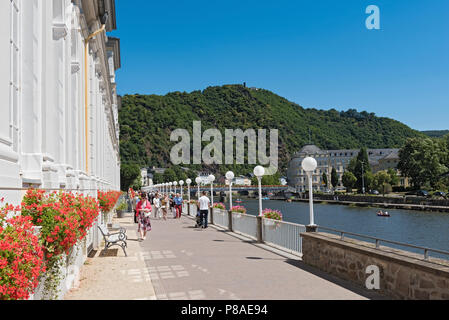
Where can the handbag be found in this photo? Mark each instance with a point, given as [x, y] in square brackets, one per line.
[147, 214]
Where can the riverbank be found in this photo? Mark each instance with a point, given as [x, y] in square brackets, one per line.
[420, 228]
[404, 206]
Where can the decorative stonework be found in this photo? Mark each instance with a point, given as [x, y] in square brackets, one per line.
[60, 31]
[75, 67]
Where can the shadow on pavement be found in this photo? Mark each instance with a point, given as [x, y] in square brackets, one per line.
[343, 283]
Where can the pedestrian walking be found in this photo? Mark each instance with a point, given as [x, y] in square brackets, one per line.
[178, 206]
[204, 205]
[134, 203]
[157, 205]
[143, 216]
[172, 205]
[165, 202]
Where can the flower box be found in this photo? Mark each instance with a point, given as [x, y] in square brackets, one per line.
[219, 211]
[237, 211]
[272, 224]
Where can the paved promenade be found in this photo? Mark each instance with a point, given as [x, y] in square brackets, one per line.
[186, 263]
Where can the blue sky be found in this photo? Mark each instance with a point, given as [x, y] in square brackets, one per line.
[317, 53]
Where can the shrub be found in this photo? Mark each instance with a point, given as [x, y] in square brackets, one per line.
[21, 257]
[219, 205]
[107, 200]
[65, 219]
[240, 209]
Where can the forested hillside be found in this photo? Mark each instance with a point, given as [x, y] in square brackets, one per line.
[146, 122]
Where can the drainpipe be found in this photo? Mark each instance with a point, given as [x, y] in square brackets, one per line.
[86, 95]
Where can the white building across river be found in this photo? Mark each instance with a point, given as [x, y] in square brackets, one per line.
[54, 133]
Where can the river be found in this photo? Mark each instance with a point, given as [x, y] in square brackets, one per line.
[422, 228]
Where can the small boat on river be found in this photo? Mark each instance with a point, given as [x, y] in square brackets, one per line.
[380, 213]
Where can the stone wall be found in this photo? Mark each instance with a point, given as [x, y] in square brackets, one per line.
[403, 275]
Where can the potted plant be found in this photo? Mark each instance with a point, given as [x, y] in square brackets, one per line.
[238, 211]
[121, 209]
[271, 216]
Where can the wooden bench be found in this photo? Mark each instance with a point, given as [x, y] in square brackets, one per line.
[115, 238]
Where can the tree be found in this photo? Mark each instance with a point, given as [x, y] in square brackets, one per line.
[191, 174]
[137, 183]
[325, 179]
[349, 180]
[128, 174]
[422, 160]
[360, 166]
[334, 178]
[369, 180]
[394, 179]
[381, 180]
[158, 178]
[169, 175]
[270, 180]
[179, 173]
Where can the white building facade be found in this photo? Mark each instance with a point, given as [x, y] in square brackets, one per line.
[379, 159]
[57, 130]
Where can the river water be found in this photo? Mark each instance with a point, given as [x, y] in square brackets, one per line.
[422, 228]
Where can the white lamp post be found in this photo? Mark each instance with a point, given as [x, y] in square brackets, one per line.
[211, 179]
[188, 181]
[198, 181]
[181, 183]
[309, 165]
[175, 183]
[230, 176]
[259, 171]
[170, 184]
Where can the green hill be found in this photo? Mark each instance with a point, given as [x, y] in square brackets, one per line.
[146, 122]
[436, 133]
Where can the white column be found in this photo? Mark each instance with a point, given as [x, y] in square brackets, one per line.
[31, 157]
[9, 166]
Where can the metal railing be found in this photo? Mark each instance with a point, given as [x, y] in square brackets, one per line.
[378, 241]
[285, 235]
[193, 210]
[245, 224]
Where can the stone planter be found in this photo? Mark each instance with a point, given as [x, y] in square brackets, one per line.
[120, 213]
[106, 218]
[272, 224]
[237, 215]
[219, 211]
